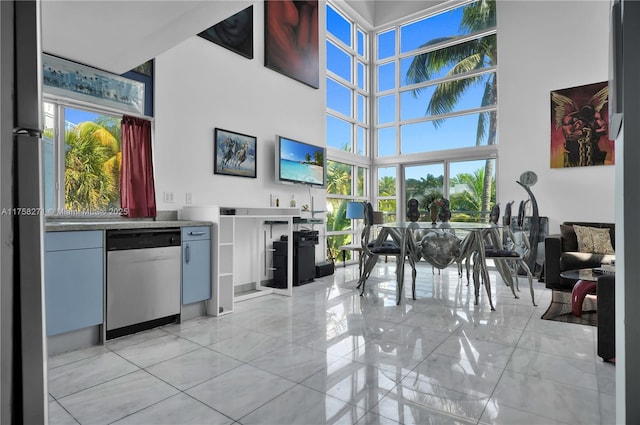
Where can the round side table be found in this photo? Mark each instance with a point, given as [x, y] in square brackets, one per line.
[585, 285]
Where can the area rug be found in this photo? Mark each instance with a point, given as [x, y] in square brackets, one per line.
[560, 309]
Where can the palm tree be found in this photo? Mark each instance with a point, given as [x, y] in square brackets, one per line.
[338, 178]
[89, 167]
[463, 58]
[470, 199]
[338, 183]
[112, 138]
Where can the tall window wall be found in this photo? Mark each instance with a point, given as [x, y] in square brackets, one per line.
[429, 128]
[435, 111]
[347, 121]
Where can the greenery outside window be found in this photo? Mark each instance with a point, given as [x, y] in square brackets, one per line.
[81, 161]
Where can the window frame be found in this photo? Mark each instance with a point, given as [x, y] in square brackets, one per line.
[483, 152]
[60, 104]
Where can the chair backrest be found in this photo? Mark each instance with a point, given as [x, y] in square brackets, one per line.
[368, 222]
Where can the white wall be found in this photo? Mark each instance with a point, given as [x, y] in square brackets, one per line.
[545, 46]
[200, 86]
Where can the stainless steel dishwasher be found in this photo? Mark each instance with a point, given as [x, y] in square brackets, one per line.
[143, 279]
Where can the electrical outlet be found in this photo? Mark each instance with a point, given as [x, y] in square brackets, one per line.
[168, 197]
[187, 198]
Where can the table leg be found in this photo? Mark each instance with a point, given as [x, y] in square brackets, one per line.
[484, 273]
[400, 266]
[580, 290]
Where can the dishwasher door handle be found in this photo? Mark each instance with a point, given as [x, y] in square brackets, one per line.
[187, 254]
[196, 233]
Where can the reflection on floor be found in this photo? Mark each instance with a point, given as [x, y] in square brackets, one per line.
[329, 356]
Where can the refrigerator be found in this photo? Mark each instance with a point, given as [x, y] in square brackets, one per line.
[23, 387]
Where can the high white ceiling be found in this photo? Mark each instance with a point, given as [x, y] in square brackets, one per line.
[118, 35]
[380, 12]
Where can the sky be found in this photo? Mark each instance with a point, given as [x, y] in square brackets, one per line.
[453, 133]
[76, 116]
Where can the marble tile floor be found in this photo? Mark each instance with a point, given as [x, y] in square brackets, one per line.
[329, 356]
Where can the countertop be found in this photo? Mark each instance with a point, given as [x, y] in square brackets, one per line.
[69, 225]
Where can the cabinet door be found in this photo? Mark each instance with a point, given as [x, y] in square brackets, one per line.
[196, 271]
[73, 289]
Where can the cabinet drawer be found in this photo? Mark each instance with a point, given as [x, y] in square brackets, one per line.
[196, 233]
[62, 241]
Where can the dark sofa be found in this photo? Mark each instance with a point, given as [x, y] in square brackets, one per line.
[561, 254]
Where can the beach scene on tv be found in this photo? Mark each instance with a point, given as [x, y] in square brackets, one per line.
[301, 162]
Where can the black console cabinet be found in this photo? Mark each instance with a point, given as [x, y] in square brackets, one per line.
[304, 259]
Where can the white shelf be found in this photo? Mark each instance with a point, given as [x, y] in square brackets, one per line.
[229, 225]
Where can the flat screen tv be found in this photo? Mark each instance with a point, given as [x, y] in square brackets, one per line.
[300, 163]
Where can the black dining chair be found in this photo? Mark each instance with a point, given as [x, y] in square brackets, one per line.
[508, 261]
[372, 250]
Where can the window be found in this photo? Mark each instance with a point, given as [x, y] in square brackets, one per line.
[463, 186]
[347, 87]
[345, 183]
[436, 106]
[347, 125]
[81, 160]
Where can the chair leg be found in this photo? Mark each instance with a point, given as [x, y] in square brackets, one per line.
[525, 267]
[414, 273]
[505, 272]
[476, 279]
[369, 264]
[399, 278]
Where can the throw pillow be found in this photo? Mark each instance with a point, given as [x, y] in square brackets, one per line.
[569, 238]
[593, 240]
[602, 241]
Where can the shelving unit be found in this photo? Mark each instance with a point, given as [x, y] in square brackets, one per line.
[224, 263]
[241, 235]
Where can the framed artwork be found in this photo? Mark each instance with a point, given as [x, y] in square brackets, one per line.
[291, 39]
[234, 33]
[234, 154]
[580, 127]
[81, 82]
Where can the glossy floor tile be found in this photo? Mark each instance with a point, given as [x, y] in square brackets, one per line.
[330, 356]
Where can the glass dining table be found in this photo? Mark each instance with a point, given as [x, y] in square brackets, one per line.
[471, 237]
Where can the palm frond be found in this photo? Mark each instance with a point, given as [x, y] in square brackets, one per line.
[479, 15]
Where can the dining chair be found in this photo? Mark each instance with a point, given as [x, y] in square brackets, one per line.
[507, 261]
[372, 250]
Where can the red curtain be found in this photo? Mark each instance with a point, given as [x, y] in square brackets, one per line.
[137, 190]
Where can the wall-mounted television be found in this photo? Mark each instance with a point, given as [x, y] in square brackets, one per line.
[300, 163]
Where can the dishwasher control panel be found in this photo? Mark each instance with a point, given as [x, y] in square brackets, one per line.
[118, 240]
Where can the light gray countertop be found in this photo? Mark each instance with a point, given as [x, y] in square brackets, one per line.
[69, 225]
